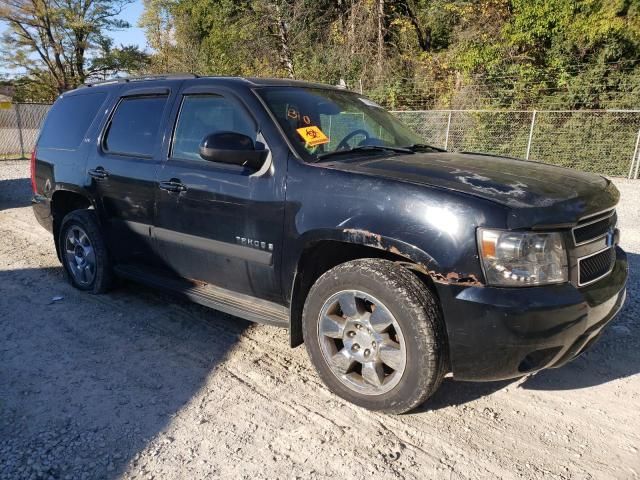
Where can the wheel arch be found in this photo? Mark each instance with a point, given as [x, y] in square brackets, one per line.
[64, 201]
[323, 252]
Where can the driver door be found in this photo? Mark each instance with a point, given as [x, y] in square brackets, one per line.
[218, 223]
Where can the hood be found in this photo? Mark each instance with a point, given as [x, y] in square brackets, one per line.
[537, 194]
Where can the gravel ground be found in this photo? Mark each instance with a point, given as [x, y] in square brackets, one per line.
[136, 385]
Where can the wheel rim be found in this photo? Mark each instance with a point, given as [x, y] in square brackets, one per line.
[80, 255]
[362, 342]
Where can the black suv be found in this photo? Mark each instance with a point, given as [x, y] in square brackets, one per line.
[312, 208]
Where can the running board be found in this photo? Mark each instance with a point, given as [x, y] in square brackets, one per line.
[217, 298]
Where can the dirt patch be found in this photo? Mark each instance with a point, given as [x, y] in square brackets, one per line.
[134, 384]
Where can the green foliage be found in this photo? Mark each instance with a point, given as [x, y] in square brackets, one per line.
[109, 61]
[31, 89]
[554, 54]
[560, 54]
[419, 53]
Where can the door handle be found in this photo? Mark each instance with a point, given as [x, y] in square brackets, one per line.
[99, 173]
[172, 186]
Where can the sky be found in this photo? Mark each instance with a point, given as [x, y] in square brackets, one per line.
[134, 35]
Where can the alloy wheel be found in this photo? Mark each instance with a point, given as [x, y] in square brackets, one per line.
[362, 342]
[80, 255]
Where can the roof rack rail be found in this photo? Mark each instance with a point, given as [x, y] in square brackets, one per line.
[142, 78]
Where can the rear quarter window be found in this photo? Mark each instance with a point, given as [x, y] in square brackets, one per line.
[69, 119]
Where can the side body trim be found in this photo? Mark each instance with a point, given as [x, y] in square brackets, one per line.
[249, 254]
[244, 252]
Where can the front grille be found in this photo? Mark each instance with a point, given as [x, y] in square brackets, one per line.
[594, 227]
[595, 266]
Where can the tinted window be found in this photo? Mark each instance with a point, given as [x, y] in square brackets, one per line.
[201, 115]
[69, 120]
[134, 126]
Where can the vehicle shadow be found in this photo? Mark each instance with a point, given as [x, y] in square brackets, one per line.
[453, 393]
[616, 355]
[87, 381]
[14, 193]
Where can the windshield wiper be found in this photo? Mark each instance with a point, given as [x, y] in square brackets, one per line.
[363, 148]
[423, 147]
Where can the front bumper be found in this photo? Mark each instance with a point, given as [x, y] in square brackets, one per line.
[500, 333]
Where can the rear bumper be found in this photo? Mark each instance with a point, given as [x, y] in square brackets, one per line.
[501, 333]
[42, 211]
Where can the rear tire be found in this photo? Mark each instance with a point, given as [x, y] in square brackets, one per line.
[83, 252]
[375, 334]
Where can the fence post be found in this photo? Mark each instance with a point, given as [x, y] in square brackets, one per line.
[19, 122]
[635, 159]
[446, 137]
[533, 122]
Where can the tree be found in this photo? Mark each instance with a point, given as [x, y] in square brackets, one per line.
[280, 16]
[55, 40]
[158, 20]
[415, 53]
[110, 61]
[33, 89]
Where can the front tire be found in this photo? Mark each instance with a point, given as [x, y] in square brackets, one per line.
[83, 252]
[375, 334]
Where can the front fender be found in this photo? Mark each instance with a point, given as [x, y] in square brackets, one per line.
[432, 229]
[419, 259]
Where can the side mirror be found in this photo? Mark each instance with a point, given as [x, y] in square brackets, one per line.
[232, 147]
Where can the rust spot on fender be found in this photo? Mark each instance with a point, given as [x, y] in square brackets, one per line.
[451, 278]
[370, 239]
[470, 279]
[364, 236]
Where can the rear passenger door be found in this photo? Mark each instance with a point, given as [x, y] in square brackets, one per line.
[123, 171]
[224, 225]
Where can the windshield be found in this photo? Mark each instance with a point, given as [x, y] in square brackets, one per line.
[323, 122]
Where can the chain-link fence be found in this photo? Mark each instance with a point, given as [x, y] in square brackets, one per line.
[600, 141]
[604, 142]
[19, 127]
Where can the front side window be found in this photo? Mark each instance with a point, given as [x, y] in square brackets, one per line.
[202, 115]
[133, 129]
[325, 121]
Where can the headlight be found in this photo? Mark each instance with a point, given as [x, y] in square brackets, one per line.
[520, 259]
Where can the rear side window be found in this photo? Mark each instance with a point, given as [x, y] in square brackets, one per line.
[69, 120]
[133, 129]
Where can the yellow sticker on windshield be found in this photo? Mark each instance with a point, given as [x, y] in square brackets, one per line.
[312, 135]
